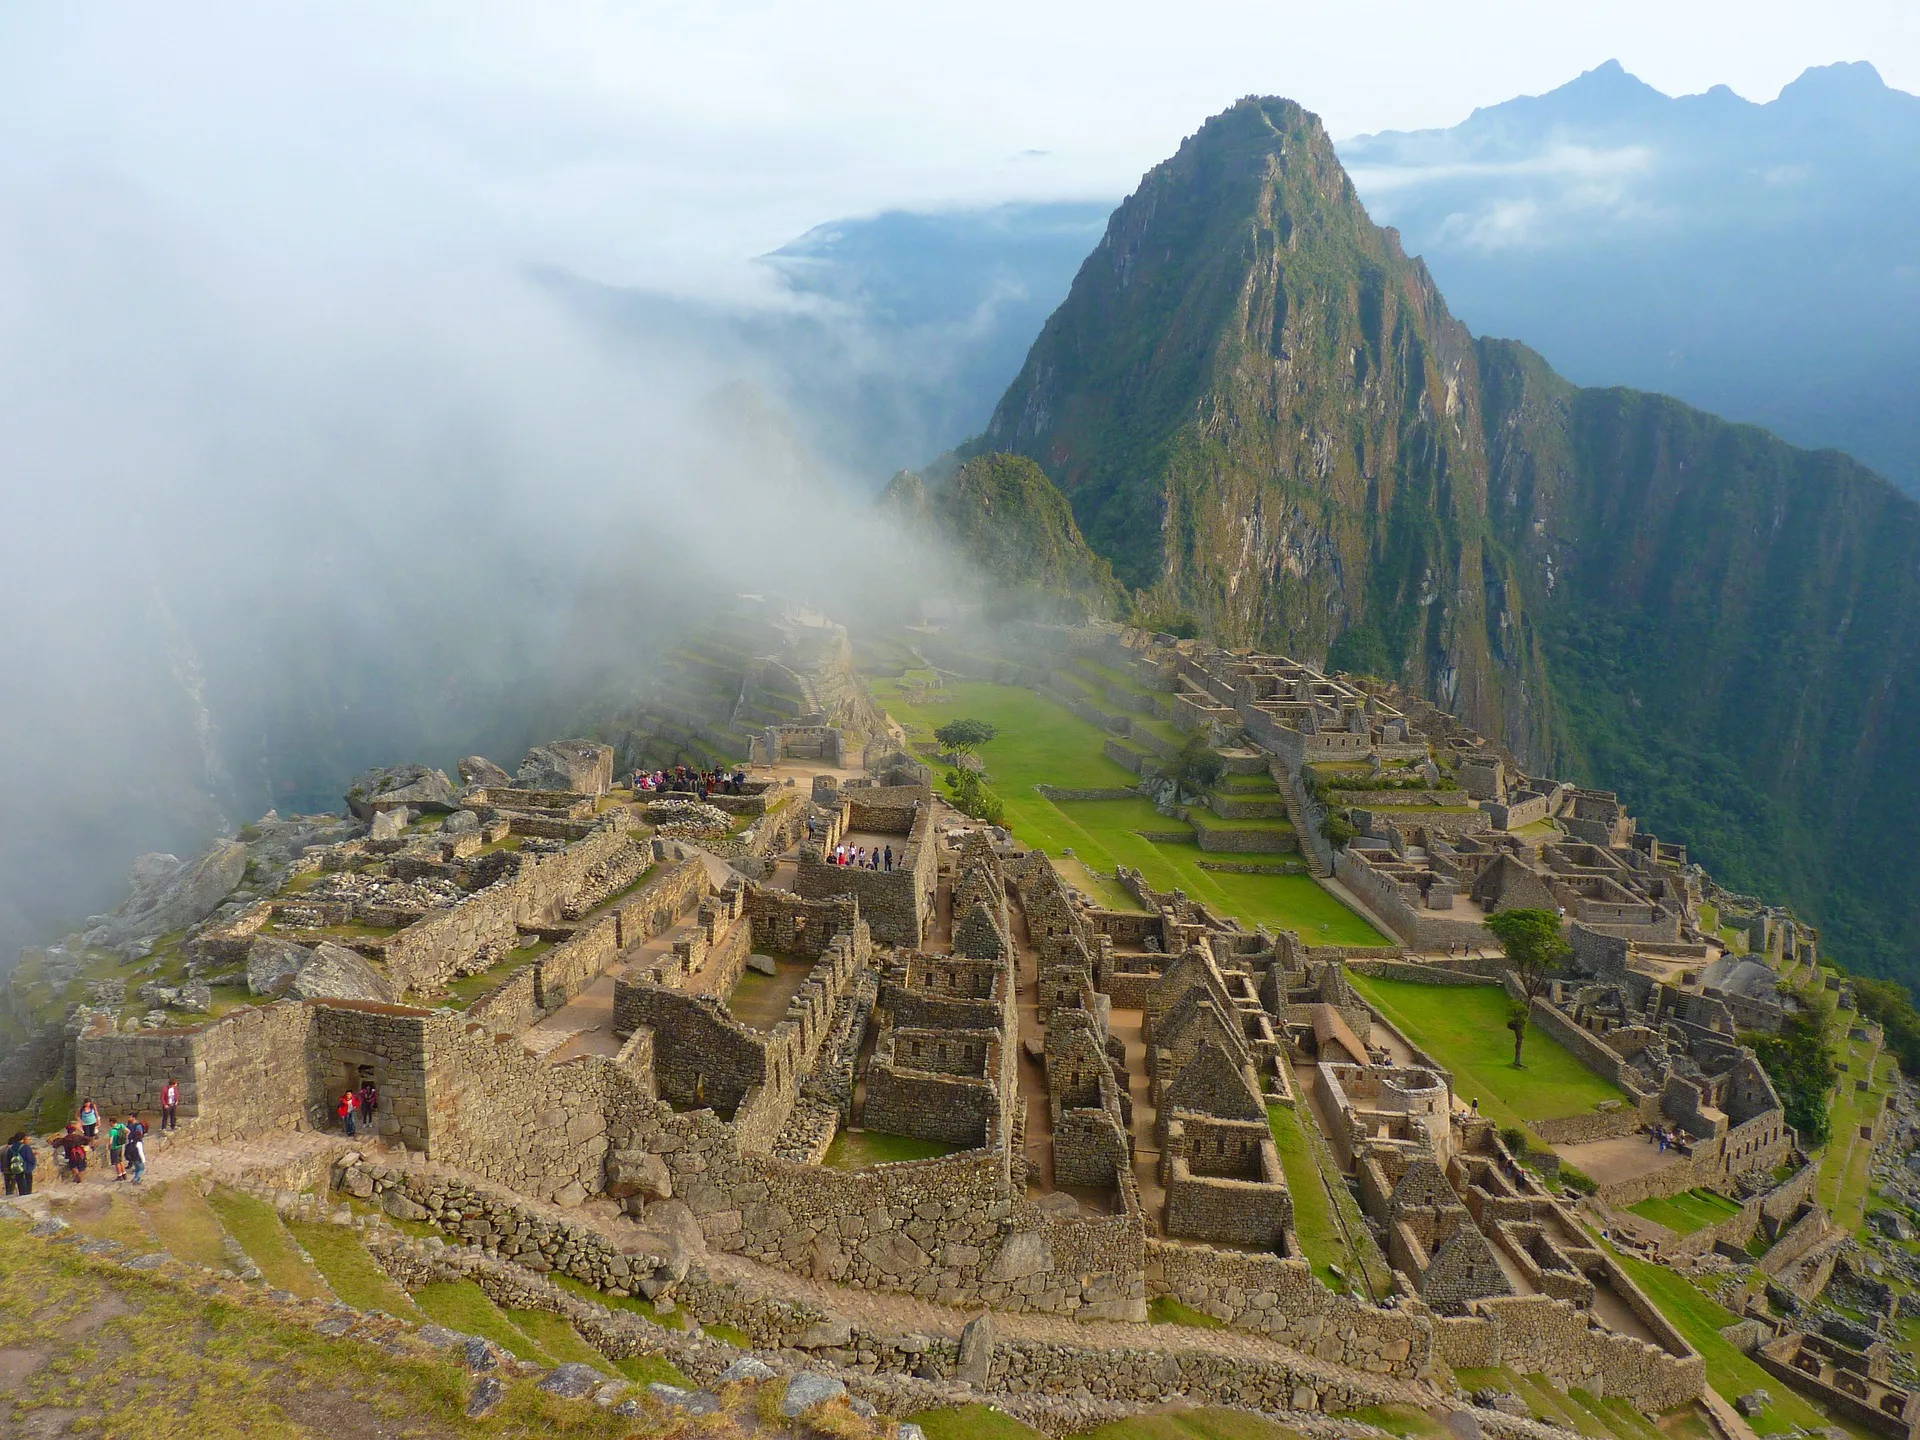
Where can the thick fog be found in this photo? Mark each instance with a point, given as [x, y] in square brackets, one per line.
[303, 469]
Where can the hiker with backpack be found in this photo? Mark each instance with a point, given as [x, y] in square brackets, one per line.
[117, 1148]
[19, 1164]
[73, 1145]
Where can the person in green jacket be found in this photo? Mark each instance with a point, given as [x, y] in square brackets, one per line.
[117, 1148]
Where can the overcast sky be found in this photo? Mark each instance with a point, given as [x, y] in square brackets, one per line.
[656, 143]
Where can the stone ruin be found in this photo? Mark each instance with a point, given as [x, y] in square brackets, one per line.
[567, 1001]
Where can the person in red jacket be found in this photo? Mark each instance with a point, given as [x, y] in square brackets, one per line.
[348, 1109]
[170, 1105]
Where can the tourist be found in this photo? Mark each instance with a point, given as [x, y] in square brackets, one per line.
[889, 857]
[136, 1128]
[89, 1119]
[20, 1161]
[347, 1109]
[170, 1105]
[73, 1145]
[137, 1154]
[1476, 1105]
[369, 1103]
[117, 1148]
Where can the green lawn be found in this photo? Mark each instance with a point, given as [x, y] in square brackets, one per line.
[1686, 1213]
[350, 1271]
[1728, 1370]
[461, 1305]
[973, 1422]
[1315, 1224]
[1204, 1423]
[1464, 1027]
[1846, 1158]
[258, 1229]
[186, 1227]
[1165, 1310]
[1041, 742]
[857, 1150]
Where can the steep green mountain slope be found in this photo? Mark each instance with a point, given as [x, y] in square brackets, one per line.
[1261, 410]
[1008, 520]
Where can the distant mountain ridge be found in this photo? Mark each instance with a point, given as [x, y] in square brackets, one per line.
[1264, 413]
[1757, 259]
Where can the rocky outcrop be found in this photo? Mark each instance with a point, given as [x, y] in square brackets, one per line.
[169, 896]
[582, 766]
[337, 973]
[326, 972]
[478, 770]
[272, 963]
[392, 785]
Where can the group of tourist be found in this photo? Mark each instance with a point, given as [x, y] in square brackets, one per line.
[685, 779]
[125, 1141]
[1666, 1137]
[860, 857]
[358, 1107]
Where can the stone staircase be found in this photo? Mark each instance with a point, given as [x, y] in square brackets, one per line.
[1313, 845]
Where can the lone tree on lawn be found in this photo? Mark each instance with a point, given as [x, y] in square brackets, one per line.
[1535, 948]
[963, 737]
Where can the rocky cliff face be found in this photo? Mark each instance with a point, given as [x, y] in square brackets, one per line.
[1262, 412]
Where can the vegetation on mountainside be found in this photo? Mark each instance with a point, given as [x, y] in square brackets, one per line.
[1002, 514]
[1262, 413]
[1891, 1004]
[1535, 949]
[1802, 1070]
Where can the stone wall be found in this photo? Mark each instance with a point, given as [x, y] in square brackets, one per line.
[1421, 974]
[242, 1075]
[1593, 1125]
[350, 1042]
[1417, 927]
[884, 809]
[1280, 1297]
[508, 1116]
[421, 958]
[1536, 1334]
[895, 903]
[1166, 1359]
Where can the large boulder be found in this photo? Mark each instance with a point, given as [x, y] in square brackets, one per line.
[168, 896]
[478, 770]
[636, 1172]
[390, 824]
[582, 766]
[333, 972]
[272, 963]
[391, 785]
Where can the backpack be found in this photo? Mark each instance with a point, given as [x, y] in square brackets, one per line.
[16, 1162]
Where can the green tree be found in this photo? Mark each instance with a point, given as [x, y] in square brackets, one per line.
[1801, 1068]
[964, 736]
[1535, 949]
[1197, 765]
[971, 796]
